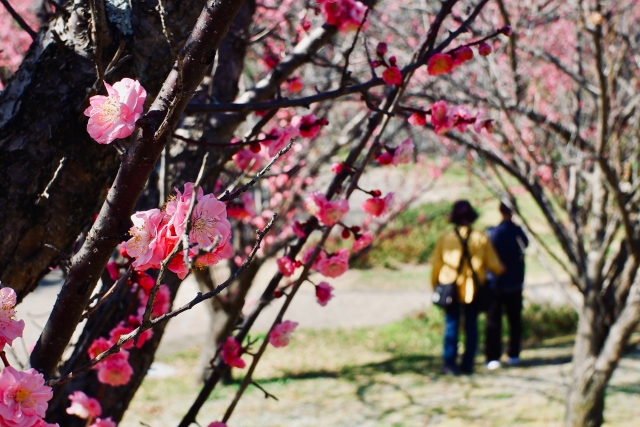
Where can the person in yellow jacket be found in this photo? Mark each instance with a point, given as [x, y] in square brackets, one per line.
[445, 263]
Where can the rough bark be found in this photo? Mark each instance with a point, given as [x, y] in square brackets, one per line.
[135, 168]
[41, 123]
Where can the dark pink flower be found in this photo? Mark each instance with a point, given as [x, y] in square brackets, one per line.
[297, 229]
[440, 63]
[384, 158]
[286, 266]
[323, 293]
[23, 397]
[418, 119]
[161, 304]
[115, 370]
[114, 116]
[280, 335]
[84, 406]
[309, 125]
[484, 49]
[230, 353]
[462, 55]
[392, 76]
[113, 270]
[373, 206]
[381, 49]
[217, 424]
[344, 14]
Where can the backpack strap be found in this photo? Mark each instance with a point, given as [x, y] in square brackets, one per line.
[466, 255]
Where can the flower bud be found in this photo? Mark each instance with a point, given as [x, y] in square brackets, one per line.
[484, 49]
[381, 49]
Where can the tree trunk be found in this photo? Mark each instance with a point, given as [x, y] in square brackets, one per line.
[43, 130]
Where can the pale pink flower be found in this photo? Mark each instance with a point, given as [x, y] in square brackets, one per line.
[286, 266]
[460, 115]
[281, 333]
[115, 370]
[10, 328]
[363, 241]
[230, 353]
[104, 422]
[209, 222]
[323, 293]
[84, 406]
[114, 116]
[23, 397]
[403, 153]
[143, 245]
[392, 76]
[314, 202]
[335, 265]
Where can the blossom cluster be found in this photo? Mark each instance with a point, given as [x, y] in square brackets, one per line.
[23, 395]
[155, 233]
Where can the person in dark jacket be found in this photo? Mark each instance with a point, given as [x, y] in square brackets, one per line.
[510, 242]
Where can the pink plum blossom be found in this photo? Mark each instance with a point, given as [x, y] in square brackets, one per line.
[462, 55]
[143, 245]
[246, 159]
[327, 212]
[294, 85]
[10, 328]
[217, 424]
[439, 63]
[122, 329]
[344, 14]
[309, 125]
[392, 76]
[484, 49]
[23, 397]
[84, 406]
[362, 242]
[209, 222]
[306, 256]
[282, 137]
[373, 206]
[335, 266]
[297, 229]
[403, 153]
[114, 116]
[161, 304]
[230, 353]
[323, 293]
[286, 266]
[115, 370]
[417, 119]
[281, 333]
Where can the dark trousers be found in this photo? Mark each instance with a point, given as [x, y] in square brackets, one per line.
[511, 302]
[452, 324]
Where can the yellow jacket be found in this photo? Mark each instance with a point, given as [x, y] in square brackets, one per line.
[447, 256]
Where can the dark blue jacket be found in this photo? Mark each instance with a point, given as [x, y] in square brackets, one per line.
[509, 241]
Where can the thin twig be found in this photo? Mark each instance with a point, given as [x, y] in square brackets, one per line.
[102, 298]
[140, 329]
[181, 245]
[230, 196]
[16, 16]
